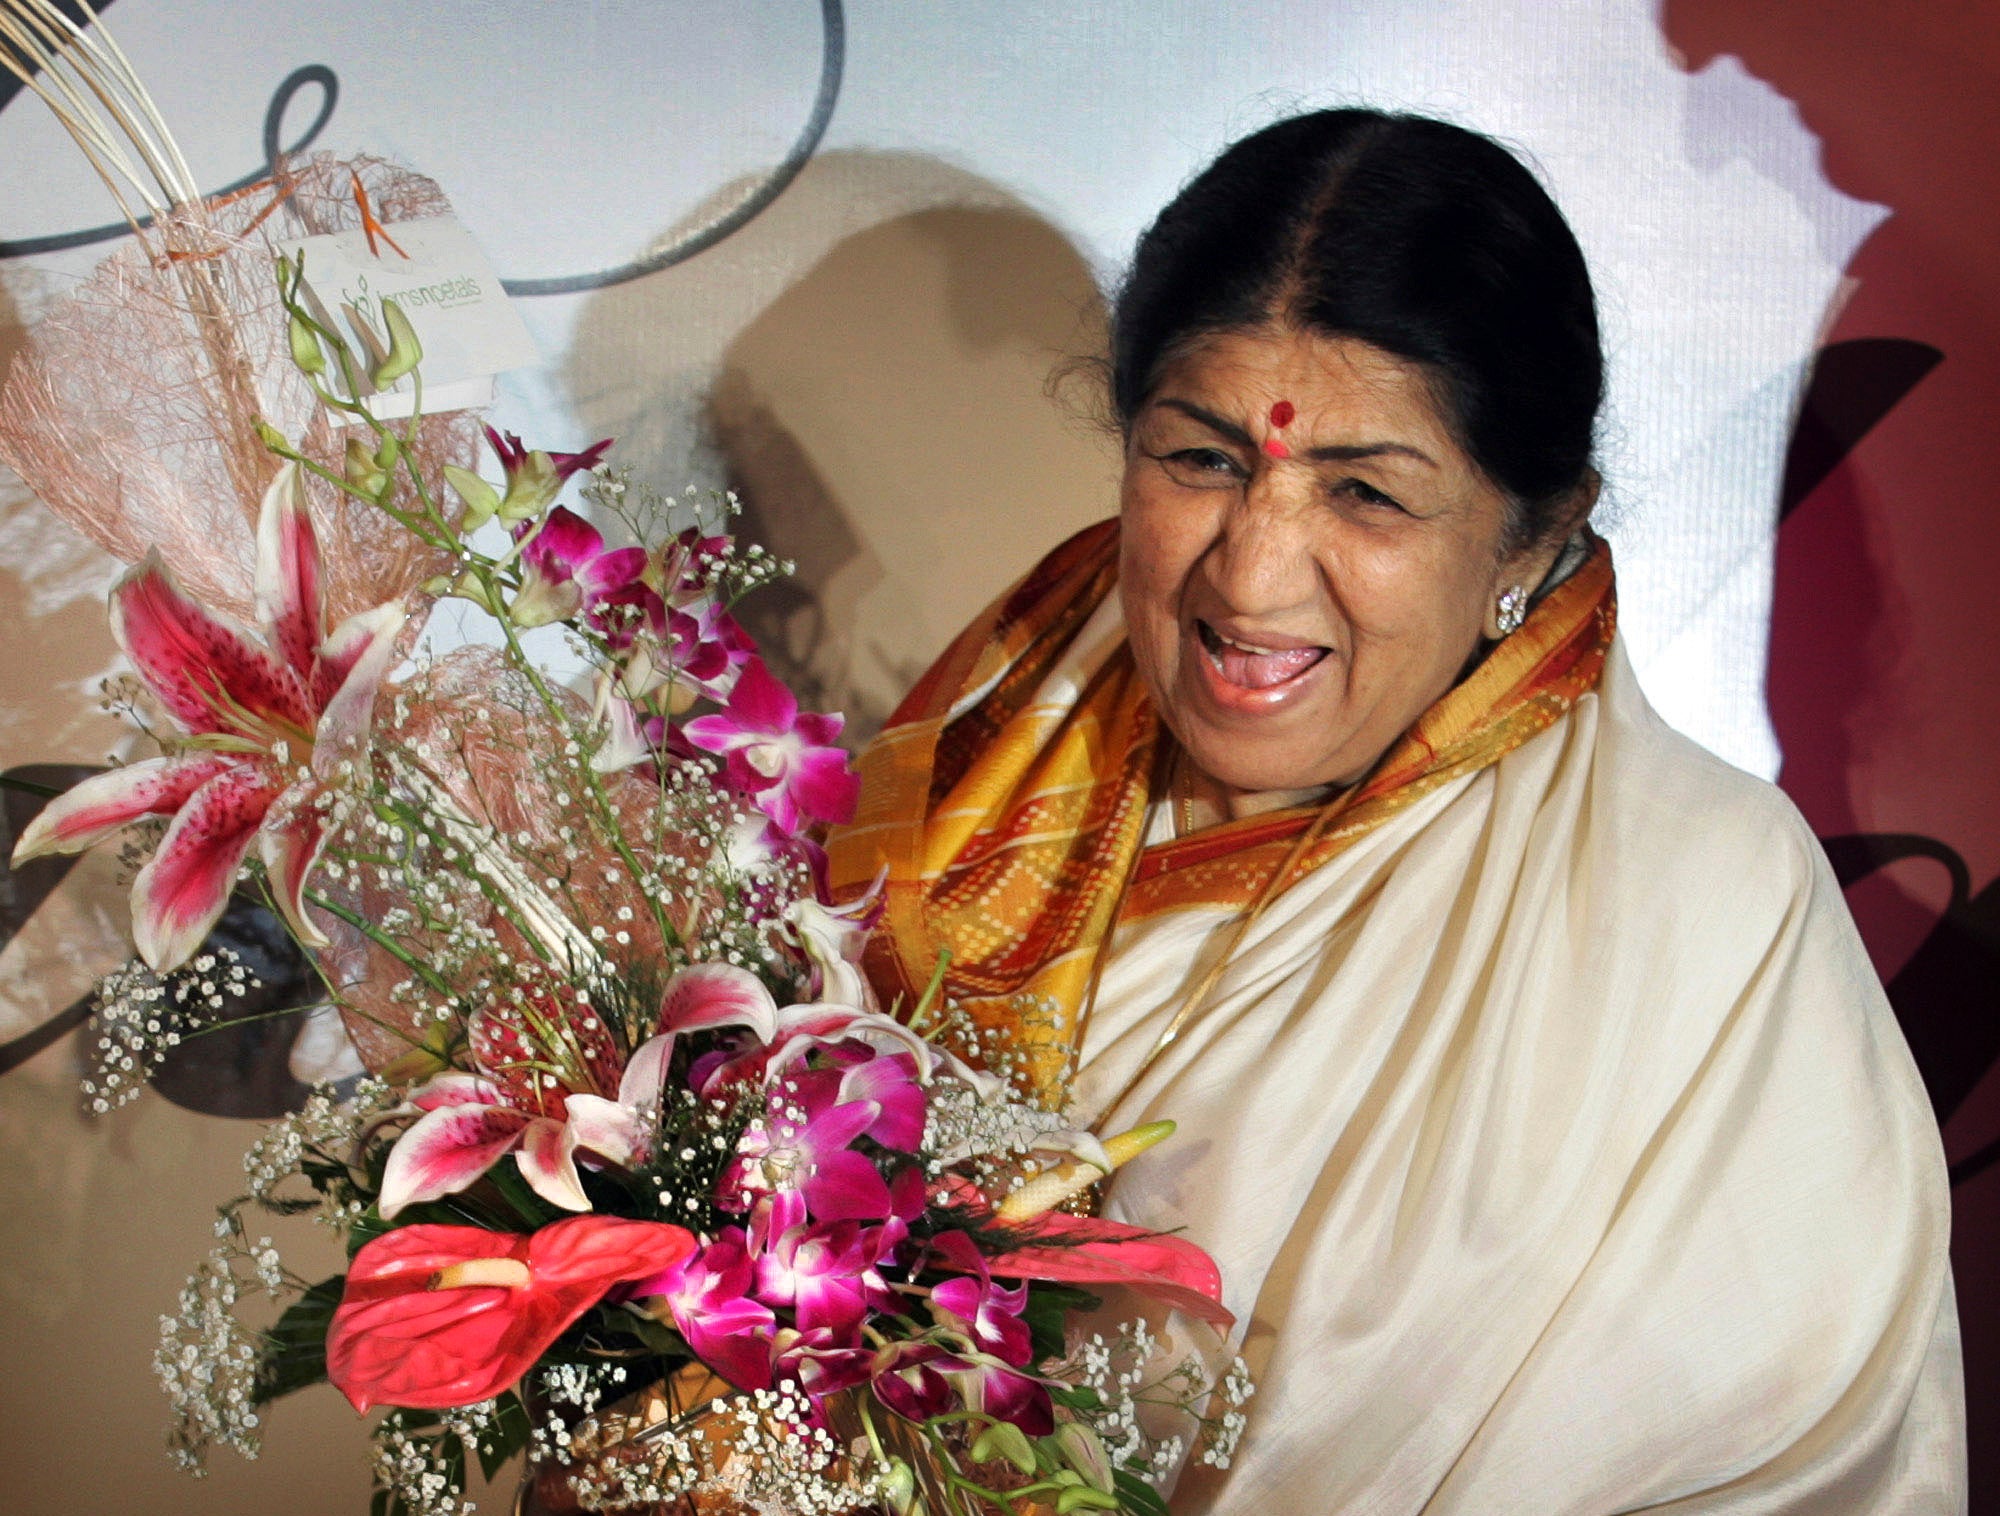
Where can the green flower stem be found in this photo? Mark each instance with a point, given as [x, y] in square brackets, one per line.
[600, 799]
[493, 894]
[388, 945]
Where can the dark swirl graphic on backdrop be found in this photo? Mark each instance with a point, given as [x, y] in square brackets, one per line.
[833, 60]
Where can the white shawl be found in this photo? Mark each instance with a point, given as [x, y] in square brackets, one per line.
[1561, 1154]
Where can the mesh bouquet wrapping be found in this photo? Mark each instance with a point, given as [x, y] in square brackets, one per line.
[132, 411]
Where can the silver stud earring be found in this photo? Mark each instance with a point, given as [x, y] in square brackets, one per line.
[1512, 610]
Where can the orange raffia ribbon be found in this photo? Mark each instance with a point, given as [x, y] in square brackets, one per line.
[371, 228]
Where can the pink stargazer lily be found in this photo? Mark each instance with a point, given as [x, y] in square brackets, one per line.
[566, 568]
[468, 1122]
[269, 725]
[782, 758]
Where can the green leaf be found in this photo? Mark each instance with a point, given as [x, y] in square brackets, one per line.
[364, 1229]
[1138, 1497]
[1076, 1397]
[513, 1186]
[1049, 1307]
[294, 1351]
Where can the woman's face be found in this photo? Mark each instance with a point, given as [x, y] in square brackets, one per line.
[1309, 560]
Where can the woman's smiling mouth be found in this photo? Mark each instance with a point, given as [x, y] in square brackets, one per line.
[1252, 665]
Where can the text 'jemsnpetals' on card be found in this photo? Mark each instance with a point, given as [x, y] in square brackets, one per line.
[469, 329]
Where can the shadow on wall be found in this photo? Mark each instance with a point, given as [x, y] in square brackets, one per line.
[1885, 625]
[886, 418]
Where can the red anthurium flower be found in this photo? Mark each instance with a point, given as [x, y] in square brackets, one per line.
[1085, 1250]
[437, 1316]
[782, 758]
[268, 726]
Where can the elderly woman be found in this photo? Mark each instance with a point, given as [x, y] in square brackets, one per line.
[1535, 1094]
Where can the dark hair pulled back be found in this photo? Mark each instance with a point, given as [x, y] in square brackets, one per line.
[1424, 239]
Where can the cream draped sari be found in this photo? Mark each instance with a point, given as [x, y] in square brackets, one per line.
[1557, 1145]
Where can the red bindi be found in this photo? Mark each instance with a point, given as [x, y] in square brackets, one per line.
[1275, 446]
[1282, 414]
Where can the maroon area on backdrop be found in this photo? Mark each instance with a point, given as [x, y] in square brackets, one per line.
[1886, 618]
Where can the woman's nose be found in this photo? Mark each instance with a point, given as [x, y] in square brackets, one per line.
[1261, 562]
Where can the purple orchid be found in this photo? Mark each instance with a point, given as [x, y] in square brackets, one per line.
[269, 726]
[905, 1377]
[818, 1362]
[781, 758]
[693, 654]
[827, 1272]
[566, 569]
[708, 1296]
[983, 1359]
[534, 476]
[545, 1098]
[988, 1316]
[804, 1144]
[987, 1384]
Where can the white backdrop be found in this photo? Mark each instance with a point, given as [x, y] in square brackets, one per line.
[867, 356]
[573, 138]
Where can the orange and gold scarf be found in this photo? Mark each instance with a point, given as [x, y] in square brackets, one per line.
[1009, 817]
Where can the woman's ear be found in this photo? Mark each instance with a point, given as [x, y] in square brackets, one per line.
[1522, 571]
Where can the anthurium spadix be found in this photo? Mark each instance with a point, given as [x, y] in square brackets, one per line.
[267, 726]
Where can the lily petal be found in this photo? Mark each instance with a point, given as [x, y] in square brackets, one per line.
[181, 893]
[455, 1087]
[645, 1073]
[450, 1148]
[607, 1128]
[548, 1162]
[287, 581]
[289, 852]
[199, 667]
[344, 723]
[718, 994]
[344, 648]
[106, 803]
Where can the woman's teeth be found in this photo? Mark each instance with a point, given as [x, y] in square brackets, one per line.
[1253, 667]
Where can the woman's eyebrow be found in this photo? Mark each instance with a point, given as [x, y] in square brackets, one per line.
[1333, 453]
[1210, 420]
[1347, 453]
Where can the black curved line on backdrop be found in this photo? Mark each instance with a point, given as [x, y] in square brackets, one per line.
[274, 120]
[833, 62]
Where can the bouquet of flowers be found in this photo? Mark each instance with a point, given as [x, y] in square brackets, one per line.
[639, 1181]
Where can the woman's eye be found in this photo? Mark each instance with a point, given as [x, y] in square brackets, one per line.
[1366, 493]
[1201, 468]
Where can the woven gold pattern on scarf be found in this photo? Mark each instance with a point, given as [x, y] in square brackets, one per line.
[1011, 824]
